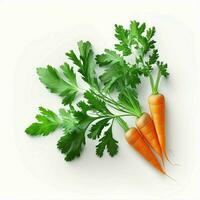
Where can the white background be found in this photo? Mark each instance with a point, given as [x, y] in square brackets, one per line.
[39, 33]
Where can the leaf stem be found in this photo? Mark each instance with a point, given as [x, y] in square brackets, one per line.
[112, 103]
[122, 123]
[151, 82]
[157, 82]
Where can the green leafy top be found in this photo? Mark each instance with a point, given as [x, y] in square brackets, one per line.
[135, 37]
[85, 62]
[107, 141]
[137, 41]
[90, 116]
[109, 57]
[64, 84]
[118, 73]
[48, 122]
[73, 141]
[75, 124]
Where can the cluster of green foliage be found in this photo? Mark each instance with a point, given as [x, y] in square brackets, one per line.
[92, 116]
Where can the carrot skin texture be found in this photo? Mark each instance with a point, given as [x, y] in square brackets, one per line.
[135, 139]
[157, 110]
[146, 127]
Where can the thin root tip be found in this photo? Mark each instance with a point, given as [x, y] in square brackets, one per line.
[169, 176]
[174, 164]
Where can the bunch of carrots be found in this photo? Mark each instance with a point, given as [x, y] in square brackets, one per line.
[97, 109]
[150, 130]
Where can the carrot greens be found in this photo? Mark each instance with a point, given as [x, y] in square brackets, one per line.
[111, 95]
[89, 115]
[136, 41]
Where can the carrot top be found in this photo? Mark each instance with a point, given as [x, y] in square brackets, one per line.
[88, 115]
[137, 45]
[147, 55]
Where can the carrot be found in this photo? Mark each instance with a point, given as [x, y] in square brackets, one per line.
[135, 139]
[157, 109]
[146, 127]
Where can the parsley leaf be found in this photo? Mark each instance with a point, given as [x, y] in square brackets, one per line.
[116, 69]
[73, 141]
[85, 62]
[113, 76]
[146, 70]
[48, 122]
[107, 142]
[150, 33]
[84, 120]
[133, 76]
[153, 57]
[109, 57]
[69, 122]
[69, 74]
[128, 98]
[136, 36]
[123, 36]
[163, 69]
[71, 144]
[135, 29]
[96, 103]
[52, 79]
[117, 72]
[97, 128]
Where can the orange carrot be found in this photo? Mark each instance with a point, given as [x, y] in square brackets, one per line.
[135, 139]
[157, 109]
[146, 127]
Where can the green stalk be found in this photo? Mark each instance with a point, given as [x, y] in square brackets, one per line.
[151, 82]
[122, 123]
[154, 86]
[157, 83]
[139, 112]
[112, 103]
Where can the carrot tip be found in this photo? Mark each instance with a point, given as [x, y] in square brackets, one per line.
[163, 163]
[174, 164]
[169, 176]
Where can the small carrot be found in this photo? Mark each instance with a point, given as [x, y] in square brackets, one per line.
[146, 127]
[135, 139]
[157, 109]
[157, 106]
[144, 122]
